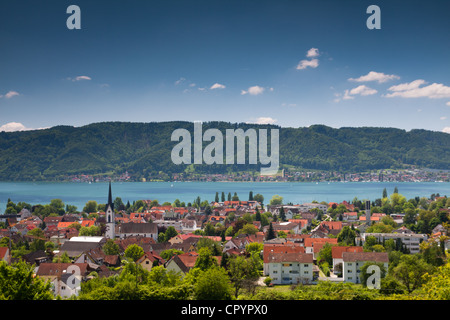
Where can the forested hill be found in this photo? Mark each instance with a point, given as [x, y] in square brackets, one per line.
[145, 148]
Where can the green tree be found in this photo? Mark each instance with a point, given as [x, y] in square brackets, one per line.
[17, 282]
[169, 253]
[325, 254]
[205, 259]
[91, 206]
[282, 214]
[410, 270]
[347, 236]
[58, 205]
[436, 286]
[259, 197]
[90, 231]
[63, 258]
[134, 252]
[247, 229]
[111, 248]
[242, 270]
[270, 233]
[170, 233]
[276, 200]
[213, 284]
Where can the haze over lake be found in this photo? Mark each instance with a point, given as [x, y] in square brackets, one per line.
[296, 192]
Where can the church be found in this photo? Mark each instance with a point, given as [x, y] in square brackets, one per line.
[110, 217]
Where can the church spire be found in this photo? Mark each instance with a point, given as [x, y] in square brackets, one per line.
[110, 217]
[110, 202]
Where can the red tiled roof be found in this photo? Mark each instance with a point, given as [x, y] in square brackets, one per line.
[278, 257]
[281, 248]
[365, 256]
[310, 242]
[337, 251]
[332, 225]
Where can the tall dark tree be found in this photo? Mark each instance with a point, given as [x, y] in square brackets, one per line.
[282, 214]
[250, 196]
[270, 233]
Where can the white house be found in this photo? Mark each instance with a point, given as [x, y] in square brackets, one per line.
[410, 240]
[290, 268]
[353, 261]
[305, 207]
[148, 230]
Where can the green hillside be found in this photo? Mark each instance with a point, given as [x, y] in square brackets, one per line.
[145, 148]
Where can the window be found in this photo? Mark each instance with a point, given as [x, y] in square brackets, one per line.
[306, 266]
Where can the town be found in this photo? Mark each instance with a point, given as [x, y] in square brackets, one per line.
[284, 175]
[226, 248]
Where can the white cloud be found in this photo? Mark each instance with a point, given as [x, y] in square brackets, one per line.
[413, 90]
[363, 90]
[13, 126]
[82, 78]
[17, 126]
[217, 86]
[313, 52]
[347, 96]
[448, 103]
[446, 130]
[254, 91]
[375, 76]
[303, 64]
[264, 120]
[10, 94]
[443, 118]
[350, 94]
[407, 86]
[179, 81]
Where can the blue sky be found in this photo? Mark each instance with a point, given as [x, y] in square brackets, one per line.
[292, 63]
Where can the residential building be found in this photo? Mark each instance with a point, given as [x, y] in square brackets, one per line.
[290, 268]
[353, 261]
[336, 254]
[411, 241]
[148, 230]
[313, 245]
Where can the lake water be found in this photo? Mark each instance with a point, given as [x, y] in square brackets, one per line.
[299, 192]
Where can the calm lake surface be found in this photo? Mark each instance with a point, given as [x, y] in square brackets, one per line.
[299, 192]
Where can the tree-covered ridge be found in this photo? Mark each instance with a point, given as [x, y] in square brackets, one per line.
[144, 149]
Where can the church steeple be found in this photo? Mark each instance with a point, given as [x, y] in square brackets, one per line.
[110, 202]
[110, 217]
